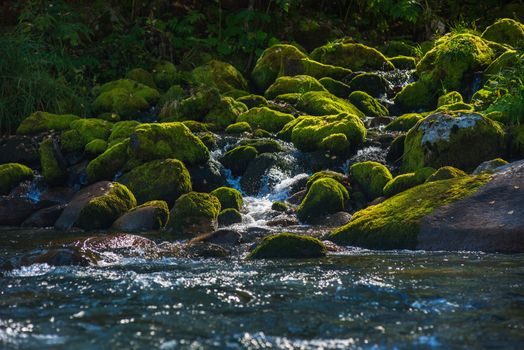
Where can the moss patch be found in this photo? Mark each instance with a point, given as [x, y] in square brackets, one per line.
[325, 196]
[324, 103]
[39, 122]
[194, 209]
[296, 84]
[228, 197]
[445, 173]
[288, 245]
[11, 174]
[371, 178]
[352, 56]
[107, 165]
[506, 31]
[265, 118]
[53, 168]
[368, 104]
[404, 122]
[220, 74]
[238, 159]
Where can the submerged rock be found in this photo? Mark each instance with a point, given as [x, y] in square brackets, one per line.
[288, 245]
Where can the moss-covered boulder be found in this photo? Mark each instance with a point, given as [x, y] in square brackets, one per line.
[288, 246]
[352, 56]
[163, 179]
[462, 140]
[219, 74]
[174, 94]
[306, 66]
[506, 31]
[327, 174]
[507, 60]
[121, 131]
[272, 62]
[150, 216]
[336, 144]
[238, 159]
[167, 140]
[265, 118]
[39, 122]
[238, 128]
[372, 83]
[403, 62]
[54, 167]
[193, 107]
[193, 214]
[262, 145]
[449, 98]
[445, 173]
[296, 84]
[309, 132]
[84, 131]
[11, 174]
[225, 112]
[455, 107]
[95, 148]
[403, 182]
[229, 217]
[336, 87]
[325, 196]
[109, 163]
[141, 76]
[253, 100]
[228, 197]
[404, 122]
[489, 166]
[279, 206]
[324, 103]
[400, 48]
[165, 75]
[368, 104]
[371, 177]
[395, 223]
[415, 97]
[99, 212]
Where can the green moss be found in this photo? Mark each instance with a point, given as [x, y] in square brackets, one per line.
[315, 69]
[238, 128]
[238, 158]
[279, 206]
[351, 56]
[161, 212]
[372, 83]
[508, 59]
[107, 165]
[261, 133]
[96, 147]
[449, 98]
[325, 196]
[173, 94]
[132, 87]
[195, 126]
[336, 144]
[209, 140]
[368, 104]
[324, 103]
[228, 197]
[236, 93]
[336, 87]
[404, 122]
[445, 173]
[165, 75]
[121, 102]
[399, 184]
[265, 118]
[308, 133]
[296, 84]
[100, 212]
[415, 97]
[193, 208]
[422, 174]
[229, 216]
[403, 62]
[400, 48]
[371, 177]
[288, 245]
[253, 101]
[39, 122]
[84, 131]
[394, 223]
[462, 140]
[225, 112]
[458, 106]
[11, 174]
[325, 174]
[141, 76]
[262, 145]
[220, 74]
[292, 98]
[53, 170]
[506, 31]
[121, 131]
[167, 140]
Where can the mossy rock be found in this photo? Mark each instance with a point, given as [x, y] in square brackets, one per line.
[219, 74]
[371, 177]
[194, 213]
[228, 197]
[455, 107]
[173, 94]
[152, 141]
[272, 62]
[120, 101]
[236, 93]
[262, 145]
[238, 159]
[165, 75]
[336, 87]
[306, 66]
[209, 140]
[449, 98]
[229, 217]
[507, 60]
[400, 48]
[325, 103]
[372, 83]
[133, 88]
[11, 174]
[336, 144]
[95, 147]
[326, 174]
[351, 56]
[399, 184]
[506, 31]
[195, 126]
[225, 112]
[279, 206]
[403, 62]
[39, 122]
[109, 163]
[395, 223]
[253, 100]
[396, 149]
[288, 246]
[84, 131]
[368, 104]
[309, 132]
[462, 140]
[445, 173]
[141, 76]
[261, 133]
[415, 97]
[163, 179]
[296, 84]
[150, 216]
[265, 118]
[101, 211]
[238, 128]
[121, 131]
[54, 167]
[325, 196]
[490, 166]
[193, 107]
[404, 122]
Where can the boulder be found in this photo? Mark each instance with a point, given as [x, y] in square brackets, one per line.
[288, 245]
[109, 163]
[404, 122]
[11, 174]
[193, 214]
[403, 62]
[150, 216]
[296, 84]
[223, 236]
[207, 176]
[444, 173]
[141, 76]
[228, 197]
[324, 103]
[371, 83]
[370, 177]
[367, 104]
[238, 158]
[489, 166]
[251, 181]
[229, 216]
[53, 163]
[20, 149]
[121, 131]
[39, 122]
[351, 56]
[265, 118]
[14, 210]
[325, 196]
[238, 128]
[165, 74]
[45, 217]
[506, 31]
[82, 132]
[336, 87]
[219, 74]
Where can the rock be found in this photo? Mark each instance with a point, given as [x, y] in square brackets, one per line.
[253, 100]
[251, 181]
[11, 174]
[371, 177]
[228, 197]
[491, 219]
[70, 256]
[96, 206]
[324, 103]
[219, 74]
[82, 132]
[295, 84]
[225, 112]
[206, 250]
[44, 217]
[403, 62]
[396, 149]
[341, 178]
[53, 163]
[150, 216]
[238, 128]
[262, 145]
[335, 87]
[208, 176]
[368, 104]
[449, 98]
[265, 118]
[506, 31]
[141, 76]
[109, 163]
[325, 196]
[20, 149]
[223, 236]
[403, 182]
[165, 75]
[351, 56]
[415, 97]
[14, 210]
[463, 140]
[57, 195]
[288, 245]
[193, 214]
[283, 220]
[193, 107]
[39, 122]
[95, 148]
[372, 83]
[121, 131]
[395, 223]
[165, 180]
[279, 206]
[444, 173]
[404, 122]
[229, 216]
[297, 198]
[238, 159]
[333, 220]
[489, 166]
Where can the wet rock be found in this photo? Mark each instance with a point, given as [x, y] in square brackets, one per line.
[208, 176]
[251, 182]
[489, 166]
[44, 217]
[149, 216]
[297, 197]
[222, 236]
[193, 214]
[325, 196]
[14, 210]
[70, 256]
[229, 216]
[58, 195]
[288, 245]
[378, 121]
[20, 149]
[283, 220]
[206, 250]
[333, 220]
